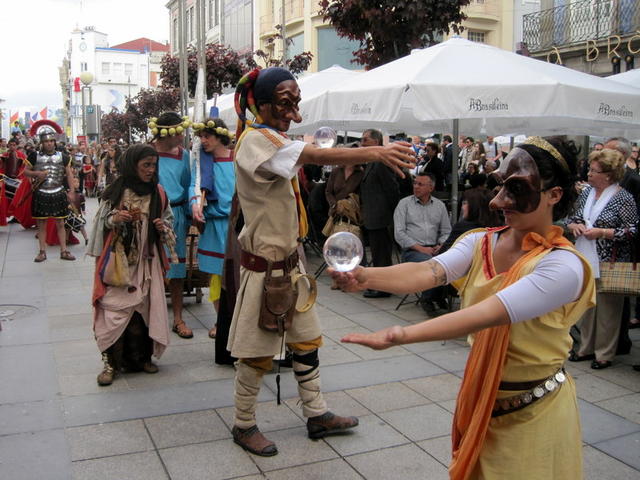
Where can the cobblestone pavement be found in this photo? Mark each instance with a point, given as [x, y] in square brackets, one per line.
[56, 423]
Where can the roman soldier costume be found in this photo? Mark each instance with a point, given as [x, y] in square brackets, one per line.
[49, 194]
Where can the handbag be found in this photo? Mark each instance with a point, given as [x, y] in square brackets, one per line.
[115, 268]
[619, 278]
[343, 224]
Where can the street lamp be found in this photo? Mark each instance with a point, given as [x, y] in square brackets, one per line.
[86, 78]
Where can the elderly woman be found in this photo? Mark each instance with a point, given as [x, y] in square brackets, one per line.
[130, 319]
[605, 221]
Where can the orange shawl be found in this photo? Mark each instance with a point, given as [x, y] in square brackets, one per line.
[484, 368]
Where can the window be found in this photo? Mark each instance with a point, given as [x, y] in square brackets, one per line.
[476, 36]
[190, 25]
[128, 69]
[334, 50]
[214, 7]
[175, 35]
[106, 68]
[83, 66]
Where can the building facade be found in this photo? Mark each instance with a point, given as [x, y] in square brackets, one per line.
[488, 21]
[119, 71]
[228, 22]
[601, 37]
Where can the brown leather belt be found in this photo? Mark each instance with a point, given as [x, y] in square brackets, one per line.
[255, 263]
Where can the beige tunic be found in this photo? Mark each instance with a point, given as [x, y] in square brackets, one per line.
[270, 231]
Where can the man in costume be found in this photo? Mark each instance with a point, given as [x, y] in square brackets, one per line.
[47, 169]
[174, 173]
[215, 179]
[12, 163]
[267, 163]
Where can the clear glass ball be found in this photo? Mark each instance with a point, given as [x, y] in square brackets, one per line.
[325, 137]
[343, 251]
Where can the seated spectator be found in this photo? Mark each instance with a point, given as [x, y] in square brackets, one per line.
[421, 225]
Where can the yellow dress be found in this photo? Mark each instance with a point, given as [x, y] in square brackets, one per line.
[542, 440]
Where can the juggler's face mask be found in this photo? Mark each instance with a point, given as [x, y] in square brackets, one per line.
[521, 189]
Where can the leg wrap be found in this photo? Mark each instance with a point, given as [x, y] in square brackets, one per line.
[247, 387]
[306, 369]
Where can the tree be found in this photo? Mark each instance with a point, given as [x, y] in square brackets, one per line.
[151, 102]
[115, 124]
[297, 64]
[138, 110]
[389, 29]
[225, 67]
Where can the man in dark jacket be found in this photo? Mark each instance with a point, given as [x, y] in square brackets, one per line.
[379, 194]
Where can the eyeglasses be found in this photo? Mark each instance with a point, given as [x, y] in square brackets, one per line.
[591, 170]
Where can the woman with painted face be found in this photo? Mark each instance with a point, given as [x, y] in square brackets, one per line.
[522, 287]
[604, 224]
[130, 320]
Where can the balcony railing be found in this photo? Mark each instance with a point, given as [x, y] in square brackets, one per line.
[577, 22]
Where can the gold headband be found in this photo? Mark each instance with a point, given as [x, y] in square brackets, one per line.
[547, 147]
[211, 126]
[164, 130]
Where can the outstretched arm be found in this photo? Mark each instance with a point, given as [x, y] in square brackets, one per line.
[400, 279]
[396, 156]
[488, 313]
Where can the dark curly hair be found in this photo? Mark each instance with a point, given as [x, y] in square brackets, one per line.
[218, 122]
[553, 173]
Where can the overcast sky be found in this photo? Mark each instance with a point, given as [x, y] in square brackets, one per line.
[35, 34]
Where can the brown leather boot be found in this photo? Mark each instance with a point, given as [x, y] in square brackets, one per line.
[150, 367]
[108, 373]
[252, 440]
[329, 423]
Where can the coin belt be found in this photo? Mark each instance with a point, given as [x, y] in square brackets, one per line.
[506, 405]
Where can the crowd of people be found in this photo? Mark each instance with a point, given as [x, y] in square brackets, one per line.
[535, 224]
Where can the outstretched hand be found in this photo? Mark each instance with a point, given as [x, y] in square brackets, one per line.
[399, 155]
[352, 281]
[379, 340]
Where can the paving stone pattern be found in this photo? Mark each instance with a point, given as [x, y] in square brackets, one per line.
[56, 423]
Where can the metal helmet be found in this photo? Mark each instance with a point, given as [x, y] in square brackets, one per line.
[45, 129]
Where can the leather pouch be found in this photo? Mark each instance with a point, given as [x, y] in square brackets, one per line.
[278, 303]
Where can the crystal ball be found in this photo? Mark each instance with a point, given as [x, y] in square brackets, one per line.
[343, 251]
[325, 137]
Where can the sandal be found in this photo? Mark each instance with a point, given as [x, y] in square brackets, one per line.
[66, 255]
[41, 257]
[182, 330]
[213, 331]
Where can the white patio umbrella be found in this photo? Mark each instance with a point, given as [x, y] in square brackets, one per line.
[630, 77]
[431, 87]
[311, 86]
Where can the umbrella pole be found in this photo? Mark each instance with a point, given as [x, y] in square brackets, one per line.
[455, 151]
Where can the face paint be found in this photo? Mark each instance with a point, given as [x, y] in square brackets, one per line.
[521, 189]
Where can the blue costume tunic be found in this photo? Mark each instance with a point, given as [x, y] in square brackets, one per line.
[174, 173]
[212, 242]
